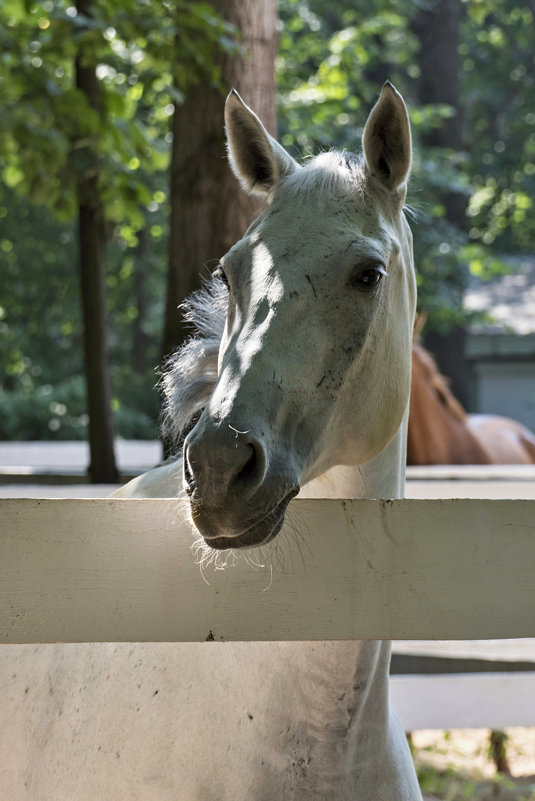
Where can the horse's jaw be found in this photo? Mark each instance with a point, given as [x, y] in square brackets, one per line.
[380, 478]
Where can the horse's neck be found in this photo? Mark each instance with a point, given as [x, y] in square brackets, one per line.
[375, 737]
[383, 477]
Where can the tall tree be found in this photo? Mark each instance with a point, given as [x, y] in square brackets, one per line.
[208, 212]
[92, 272]
[85, 92]
[437, 28]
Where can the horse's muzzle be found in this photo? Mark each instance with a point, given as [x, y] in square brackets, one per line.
[258, 533]
[236, 499]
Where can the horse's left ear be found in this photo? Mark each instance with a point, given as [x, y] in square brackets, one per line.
[387, 140]
[257, 160]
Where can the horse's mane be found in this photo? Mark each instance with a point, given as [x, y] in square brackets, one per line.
[191, 372]
[426, 377]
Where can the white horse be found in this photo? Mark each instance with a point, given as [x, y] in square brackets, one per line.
[300, 373]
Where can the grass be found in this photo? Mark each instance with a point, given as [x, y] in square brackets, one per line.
[457, 766]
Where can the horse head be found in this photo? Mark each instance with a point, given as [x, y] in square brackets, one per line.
[314, 363]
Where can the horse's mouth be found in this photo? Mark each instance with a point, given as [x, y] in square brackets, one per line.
[258, 533]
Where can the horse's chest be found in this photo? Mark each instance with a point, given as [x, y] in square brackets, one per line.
[301, 710]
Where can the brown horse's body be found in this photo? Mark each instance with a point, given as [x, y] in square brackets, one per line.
[441, 432]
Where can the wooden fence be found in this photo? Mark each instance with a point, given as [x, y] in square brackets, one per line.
[122, 570]
[75, 571]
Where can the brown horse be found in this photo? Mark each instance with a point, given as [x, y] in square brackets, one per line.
[441, 432]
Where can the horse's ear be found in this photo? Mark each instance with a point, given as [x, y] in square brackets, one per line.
[387, 139]
[257, 160]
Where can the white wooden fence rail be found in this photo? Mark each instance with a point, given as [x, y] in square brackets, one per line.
[122, 571]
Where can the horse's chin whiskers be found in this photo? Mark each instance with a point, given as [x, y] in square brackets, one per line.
[277, 557]
[270, 578]
[205, 556]
[297, 536]
[258, 559]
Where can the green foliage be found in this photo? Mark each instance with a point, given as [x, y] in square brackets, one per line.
[333, 58]
[148, 55]
[39, 293]
[33, 410]
[498, 76]
[42, 390]
[328, 64]
[451, 769]
[324, 101]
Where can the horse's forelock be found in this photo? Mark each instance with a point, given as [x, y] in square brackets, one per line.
[331, 172]
[190, 374]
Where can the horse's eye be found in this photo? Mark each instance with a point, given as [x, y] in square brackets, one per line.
[370, 276]
[220, 273]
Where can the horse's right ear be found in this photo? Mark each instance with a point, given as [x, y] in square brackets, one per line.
[257, 160]
[387, 140]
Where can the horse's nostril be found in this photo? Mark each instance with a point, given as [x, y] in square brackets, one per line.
[250, 466]
[215, 464]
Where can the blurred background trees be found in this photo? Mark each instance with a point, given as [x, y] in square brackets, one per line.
[144, 132]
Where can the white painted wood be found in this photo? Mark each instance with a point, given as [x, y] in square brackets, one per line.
[471, 481]
[464, 701]
[122, 570]
[490, 650]
[471, 472]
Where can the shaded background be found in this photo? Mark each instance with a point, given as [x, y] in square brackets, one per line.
[111, 135]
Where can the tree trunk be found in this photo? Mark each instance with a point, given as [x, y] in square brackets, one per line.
[92, 271]
[209, 211]
[437, 26]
